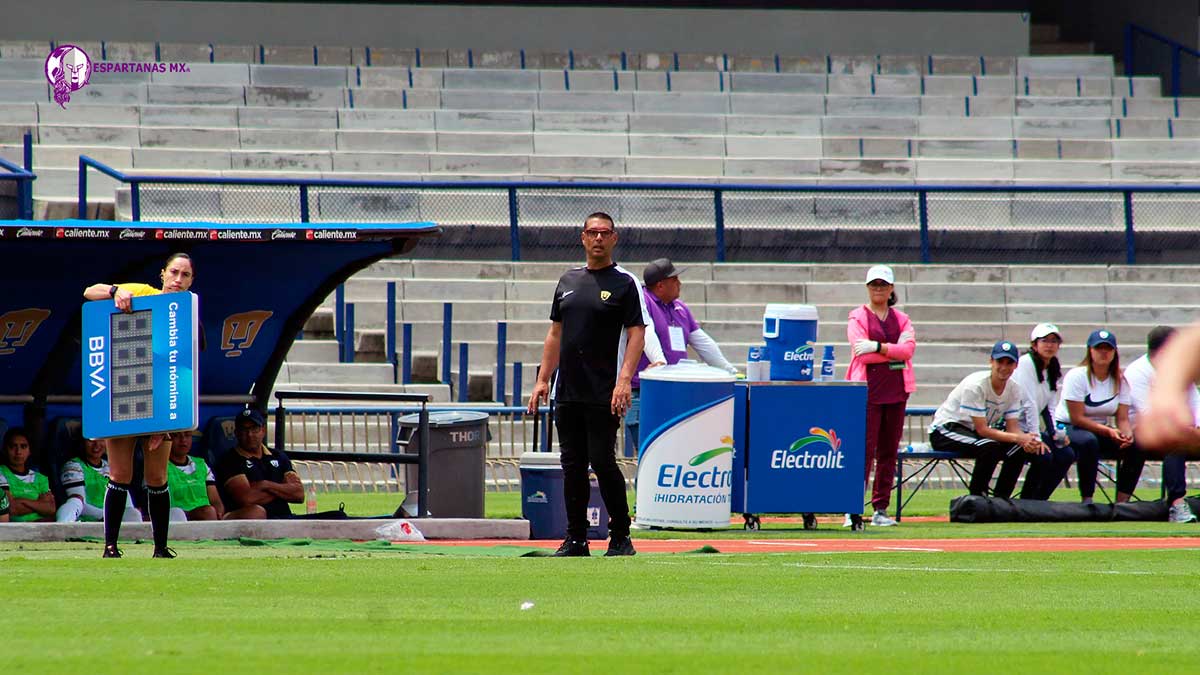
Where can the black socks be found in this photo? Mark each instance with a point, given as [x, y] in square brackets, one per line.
[158, 503]
[115, 499]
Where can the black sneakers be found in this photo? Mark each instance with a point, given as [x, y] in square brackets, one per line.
[573, 548]
[111, 551]
[163, 552]
[620, 546]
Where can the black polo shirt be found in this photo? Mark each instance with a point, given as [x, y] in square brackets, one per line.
[272, 466]
[595, 307]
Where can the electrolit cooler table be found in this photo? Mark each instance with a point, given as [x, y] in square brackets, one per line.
[799, 447]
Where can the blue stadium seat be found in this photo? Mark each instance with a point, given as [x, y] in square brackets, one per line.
[218, 439]
[63, 443]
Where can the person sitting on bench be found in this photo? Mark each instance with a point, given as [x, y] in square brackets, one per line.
[1141, 375]
[981, 419]
[1094, 391]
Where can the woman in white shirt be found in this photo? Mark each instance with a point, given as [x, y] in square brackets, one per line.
[1039, 375]
[1091, 394]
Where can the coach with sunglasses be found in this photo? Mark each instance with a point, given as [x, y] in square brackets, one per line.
[597, 333]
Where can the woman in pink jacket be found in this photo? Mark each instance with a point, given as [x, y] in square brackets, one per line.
[883, 341]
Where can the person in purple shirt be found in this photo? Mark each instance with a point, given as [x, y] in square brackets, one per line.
[676, 329]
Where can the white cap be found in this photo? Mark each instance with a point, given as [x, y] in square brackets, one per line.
[880, 272]
[1042, 330]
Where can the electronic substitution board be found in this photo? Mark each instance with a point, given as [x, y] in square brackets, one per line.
[139, 367]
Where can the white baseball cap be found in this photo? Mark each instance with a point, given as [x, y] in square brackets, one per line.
[1042, 330]
[881, 272]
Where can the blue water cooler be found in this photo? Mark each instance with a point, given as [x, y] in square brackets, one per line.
[790, 332]
[542, 499]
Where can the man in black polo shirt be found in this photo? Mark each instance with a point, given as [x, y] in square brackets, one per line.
[256, 482]
[597, 332]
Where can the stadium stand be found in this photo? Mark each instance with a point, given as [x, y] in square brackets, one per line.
[738, 119]
[958, 310]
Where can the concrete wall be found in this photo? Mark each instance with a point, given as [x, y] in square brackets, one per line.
[595, 29]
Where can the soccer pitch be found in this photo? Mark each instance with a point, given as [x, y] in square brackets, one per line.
[375, 608]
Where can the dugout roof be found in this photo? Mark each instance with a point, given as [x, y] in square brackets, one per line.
[257, 285]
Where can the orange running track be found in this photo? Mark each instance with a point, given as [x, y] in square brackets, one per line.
[868, 544]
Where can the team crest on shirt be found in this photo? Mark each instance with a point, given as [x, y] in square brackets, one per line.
[275, 463]
[605, 295]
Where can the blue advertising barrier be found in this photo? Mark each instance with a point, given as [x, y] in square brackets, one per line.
[684, 457]
[139, 373]
[799, 447]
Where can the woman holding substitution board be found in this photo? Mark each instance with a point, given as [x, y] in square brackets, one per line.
[177, 276]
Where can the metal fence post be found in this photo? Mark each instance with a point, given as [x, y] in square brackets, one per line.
[923, 213]
[516, 385]
[514, 232]
[1130, 244]
[463, 360]
[719, 217]
[423, 463]
[406, 359]
[1128, 50]
[81, 211]
[501, 358]
[339, 314]
[25, 192]
[348, 333]
[447, 318]
[1176, 73]
[390, 329]
[304, 200]
[135, 197]
[280, 425]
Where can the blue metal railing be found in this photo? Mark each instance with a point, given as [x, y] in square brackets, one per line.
[918, 191]
[23, 177]
[1133, 30]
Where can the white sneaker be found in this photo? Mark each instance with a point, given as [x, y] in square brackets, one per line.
[1181, 513]
[880, 519]
[848, 522]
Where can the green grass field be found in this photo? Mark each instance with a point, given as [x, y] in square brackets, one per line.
[339, 607]
[320, 609]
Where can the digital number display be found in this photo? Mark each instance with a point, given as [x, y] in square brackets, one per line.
[132, 366]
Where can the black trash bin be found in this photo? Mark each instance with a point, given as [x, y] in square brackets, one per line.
[457, 451]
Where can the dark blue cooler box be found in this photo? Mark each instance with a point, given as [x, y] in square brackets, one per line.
[542, 499]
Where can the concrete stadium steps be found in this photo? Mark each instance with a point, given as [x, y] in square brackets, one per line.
[958, 310]
[374, 57]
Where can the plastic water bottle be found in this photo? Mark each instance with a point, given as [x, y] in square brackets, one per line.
[827, 365]
[310, 501]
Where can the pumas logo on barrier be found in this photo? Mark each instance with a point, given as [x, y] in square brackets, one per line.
[69, 69]
[807, 454]
[241, 330]
[18, 326]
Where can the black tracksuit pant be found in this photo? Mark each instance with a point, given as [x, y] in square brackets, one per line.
[587, 434]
